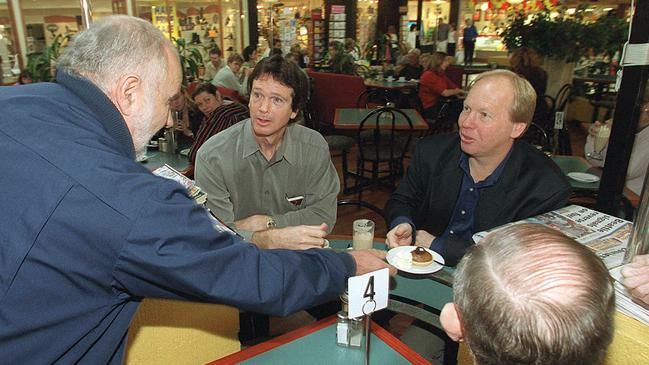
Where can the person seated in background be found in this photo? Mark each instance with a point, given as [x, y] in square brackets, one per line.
[294, 58]
[300, 55]
[249, 61]
[218, 115]
[528, 294]
[25, 78]
[270, 179]
[525, 62]
[409, 66]
[636, 278]
[187, 119]
[639, 160]
[351, 49]
[227, 76]
[215, 64]
[457, 185]
[435, 88]
[339, 61]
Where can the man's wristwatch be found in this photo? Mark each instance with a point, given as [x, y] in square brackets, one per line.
[270, 222]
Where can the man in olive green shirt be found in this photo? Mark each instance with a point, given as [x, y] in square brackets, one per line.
[272, 179]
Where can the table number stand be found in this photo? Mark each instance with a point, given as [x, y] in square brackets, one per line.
[367, 294]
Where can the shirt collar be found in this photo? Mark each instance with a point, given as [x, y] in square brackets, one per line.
[287, 149]
[491, 179]
[104, 109]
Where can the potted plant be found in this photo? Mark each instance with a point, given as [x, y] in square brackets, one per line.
[191, 59]
[562, 41]
[41, 64]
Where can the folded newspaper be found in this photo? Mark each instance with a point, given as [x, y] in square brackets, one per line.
[194, 191]
[604, 234]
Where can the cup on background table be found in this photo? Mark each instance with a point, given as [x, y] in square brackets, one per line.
[389, 79]
[363, 236]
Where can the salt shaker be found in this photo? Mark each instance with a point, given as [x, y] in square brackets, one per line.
[342, 329]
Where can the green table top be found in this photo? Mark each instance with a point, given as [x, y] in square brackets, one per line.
[350, 118]
[569, 164]
[156, 159]
[320, 348]
[431, 289]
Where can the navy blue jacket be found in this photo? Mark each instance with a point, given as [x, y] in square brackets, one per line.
[86, 233]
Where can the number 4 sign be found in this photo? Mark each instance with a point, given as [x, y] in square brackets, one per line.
[368, 293]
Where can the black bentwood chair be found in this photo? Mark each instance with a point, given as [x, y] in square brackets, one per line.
[382, 146]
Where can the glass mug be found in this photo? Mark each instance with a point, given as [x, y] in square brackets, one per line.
[363, 237]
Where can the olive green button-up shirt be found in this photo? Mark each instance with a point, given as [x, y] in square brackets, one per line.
[241, 182]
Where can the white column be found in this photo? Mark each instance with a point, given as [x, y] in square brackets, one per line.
[86, 13]
[130, 7]
[17, 15]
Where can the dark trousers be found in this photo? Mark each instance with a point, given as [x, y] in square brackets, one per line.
[468, 52]
[450, 49]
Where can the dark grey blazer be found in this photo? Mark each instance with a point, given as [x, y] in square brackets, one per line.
[530, 184]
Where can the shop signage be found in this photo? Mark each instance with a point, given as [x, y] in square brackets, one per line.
[337, 9]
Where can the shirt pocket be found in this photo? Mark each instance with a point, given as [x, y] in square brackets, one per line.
[296, 201]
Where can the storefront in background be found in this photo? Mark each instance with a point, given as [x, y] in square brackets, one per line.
[29, 27]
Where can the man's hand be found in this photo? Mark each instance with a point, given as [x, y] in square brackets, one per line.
[254, 223]
[401, 235]
[636, 278]
[371, 260]
[424, 239]
[294, 238]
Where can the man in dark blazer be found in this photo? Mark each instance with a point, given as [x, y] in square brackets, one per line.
[480, 178]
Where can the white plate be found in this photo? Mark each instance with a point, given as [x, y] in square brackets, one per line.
[583, 177]
[415, 269]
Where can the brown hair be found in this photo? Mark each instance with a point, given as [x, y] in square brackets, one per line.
[524, 100]
[433, 62]
[528, 294]
[235, 57]
[286, 73]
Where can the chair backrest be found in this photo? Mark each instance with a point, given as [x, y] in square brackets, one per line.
[331, 91]
[537, 136]
[385, 142]
[372, 98]
[561, 100]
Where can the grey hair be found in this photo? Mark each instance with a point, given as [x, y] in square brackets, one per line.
[528, 294]
[114, 46]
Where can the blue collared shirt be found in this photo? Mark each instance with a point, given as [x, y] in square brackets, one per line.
[461, 223]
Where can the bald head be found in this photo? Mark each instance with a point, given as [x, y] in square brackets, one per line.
[529, 294]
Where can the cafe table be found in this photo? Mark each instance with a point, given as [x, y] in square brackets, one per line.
[351, 118]
[391, 85]
[569, 164]
[316, 344]
[465, 70]
[157, 159]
